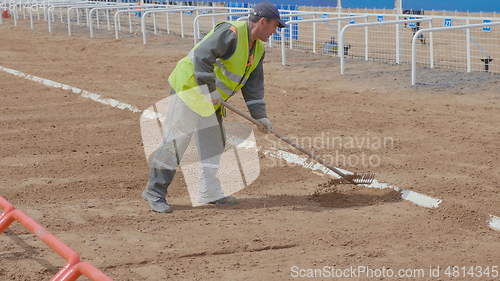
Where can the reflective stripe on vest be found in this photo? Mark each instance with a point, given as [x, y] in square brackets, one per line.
[234, 77]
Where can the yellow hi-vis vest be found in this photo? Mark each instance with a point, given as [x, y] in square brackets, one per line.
[231, 74]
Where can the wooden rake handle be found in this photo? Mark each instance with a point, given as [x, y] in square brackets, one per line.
[348, 178]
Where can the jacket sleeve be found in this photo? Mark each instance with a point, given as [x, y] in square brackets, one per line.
[253, 92]
[221, 44]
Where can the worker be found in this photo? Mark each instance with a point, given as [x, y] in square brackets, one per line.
[228, 59]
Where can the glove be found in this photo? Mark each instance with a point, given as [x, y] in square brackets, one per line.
[267, 124]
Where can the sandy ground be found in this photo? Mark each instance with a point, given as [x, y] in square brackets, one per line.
[78, 168]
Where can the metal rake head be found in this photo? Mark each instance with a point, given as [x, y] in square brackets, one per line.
[356, 178]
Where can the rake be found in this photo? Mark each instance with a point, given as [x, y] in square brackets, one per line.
[356, 178]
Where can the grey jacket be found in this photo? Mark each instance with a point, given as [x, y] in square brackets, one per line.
[222, 44]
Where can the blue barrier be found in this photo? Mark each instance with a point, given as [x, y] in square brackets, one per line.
[236, 5]
[457, 5]
[276, 36]
[370, 4]
[293, 27]
[412, 24]
[316, 3]
[487, 28]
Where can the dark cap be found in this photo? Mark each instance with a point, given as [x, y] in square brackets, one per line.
[269, 11]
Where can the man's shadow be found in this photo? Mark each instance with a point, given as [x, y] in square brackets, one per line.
[316, 202]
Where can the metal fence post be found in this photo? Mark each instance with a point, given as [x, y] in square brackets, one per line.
[314, 35]
[283, 59]
[468, 49]
[182, 24]
[398, 43]
[431, 47]
[366, 40]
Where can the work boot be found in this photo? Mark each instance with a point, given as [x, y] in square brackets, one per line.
[157, 204]
[225, 201]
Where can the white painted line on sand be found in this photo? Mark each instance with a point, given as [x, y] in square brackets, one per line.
[415, 197]
[89, 95]
[420, 199]
[495, 223]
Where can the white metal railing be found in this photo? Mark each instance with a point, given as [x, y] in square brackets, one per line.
[395, 22]
[117, 22]
[47, 5]
[196, 9]
[96, 9]
[87, 14]
[12, 8]
[13, 13]
[4, 6]
[437, 29]
[296, 14]
[77, 8]
[196, 26]
[293, 14]
[132, 7]
[50, 9]
[44, 5]
[181, 13]
[30, 11]
[143, 20]
[313, 21]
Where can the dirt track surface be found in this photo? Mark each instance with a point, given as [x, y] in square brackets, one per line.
[78, 168]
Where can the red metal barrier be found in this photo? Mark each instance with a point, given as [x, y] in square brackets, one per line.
[74, 268]
[7, 208]
[5, 14]
[83, 268]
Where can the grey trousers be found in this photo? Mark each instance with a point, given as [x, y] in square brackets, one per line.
[210, 143]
